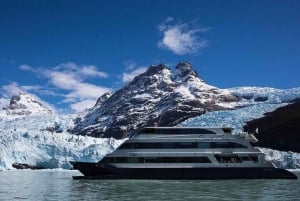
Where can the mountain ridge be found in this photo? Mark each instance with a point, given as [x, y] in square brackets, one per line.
[157, 97]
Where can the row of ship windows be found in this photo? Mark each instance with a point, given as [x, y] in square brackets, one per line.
[179, 131]
[221, 159]
[183, 145]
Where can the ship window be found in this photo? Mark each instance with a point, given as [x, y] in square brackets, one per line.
[226, 145]
[254, 159]
[187, 160]
[132, 160]
[201, 160]
[150, 145]
[177, 160]
[180, 145]
[228, 159]
[119, 160]
[159, 145]
[156, 160]
[186, 145]
[167, 145]
[122, 160]
[106, 160]
[245, 158]
[148, 130]
[127, 146]
[236, 145]
[176, 131]
[204, 144]
[153, 160]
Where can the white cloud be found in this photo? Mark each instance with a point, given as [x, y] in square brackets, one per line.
[77, 107]
[132, 70]
[181, 38]
[12, 89]
[87, 91]
[71, 78]
[92, 71]
[128, 76]
[26, 67]
[82, 70]
[62, 80]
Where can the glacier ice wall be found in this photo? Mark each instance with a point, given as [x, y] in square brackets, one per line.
[30, 140]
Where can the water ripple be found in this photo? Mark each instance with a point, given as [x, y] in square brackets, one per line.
[59, 185]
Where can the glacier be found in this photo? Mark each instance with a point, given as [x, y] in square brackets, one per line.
[27, 140]
[32, 139]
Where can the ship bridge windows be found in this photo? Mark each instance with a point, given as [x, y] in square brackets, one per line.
[180, 145]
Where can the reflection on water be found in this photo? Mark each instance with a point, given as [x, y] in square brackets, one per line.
[59, 185]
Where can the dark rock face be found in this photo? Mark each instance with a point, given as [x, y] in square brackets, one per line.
[13, 104]
[158, 97]
[261, 99]
[103, 98]
[279, 129]
[25, 166]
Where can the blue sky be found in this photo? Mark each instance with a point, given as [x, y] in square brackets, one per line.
[70, 52]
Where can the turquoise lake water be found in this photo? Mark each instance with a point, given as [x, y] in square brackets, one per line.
[58, 185]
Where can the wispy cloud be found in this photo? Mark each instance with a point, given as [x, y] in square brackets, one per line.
[132, 70]
[71, 78]
[181, 38]
[82, 70]
[7, 91]
[82, 104]
[26, 67]
[11, 89]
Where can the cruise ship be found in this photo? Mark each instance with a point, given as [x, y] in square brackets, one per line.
[184, 153]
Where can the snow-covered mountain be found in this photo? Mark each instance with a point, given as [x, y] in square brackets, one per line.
[27, 140]
[158, 97]
[30, 134]
[21, 105]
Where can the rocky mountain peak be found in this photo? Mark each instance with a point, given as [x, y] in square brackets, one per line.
[103, 98]
[152, 70]
[14, 101]
[185, 68]
[158, 97]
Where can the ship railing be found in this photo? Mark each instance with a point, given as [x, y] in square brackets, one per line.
[246, 135]
[243, 134]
